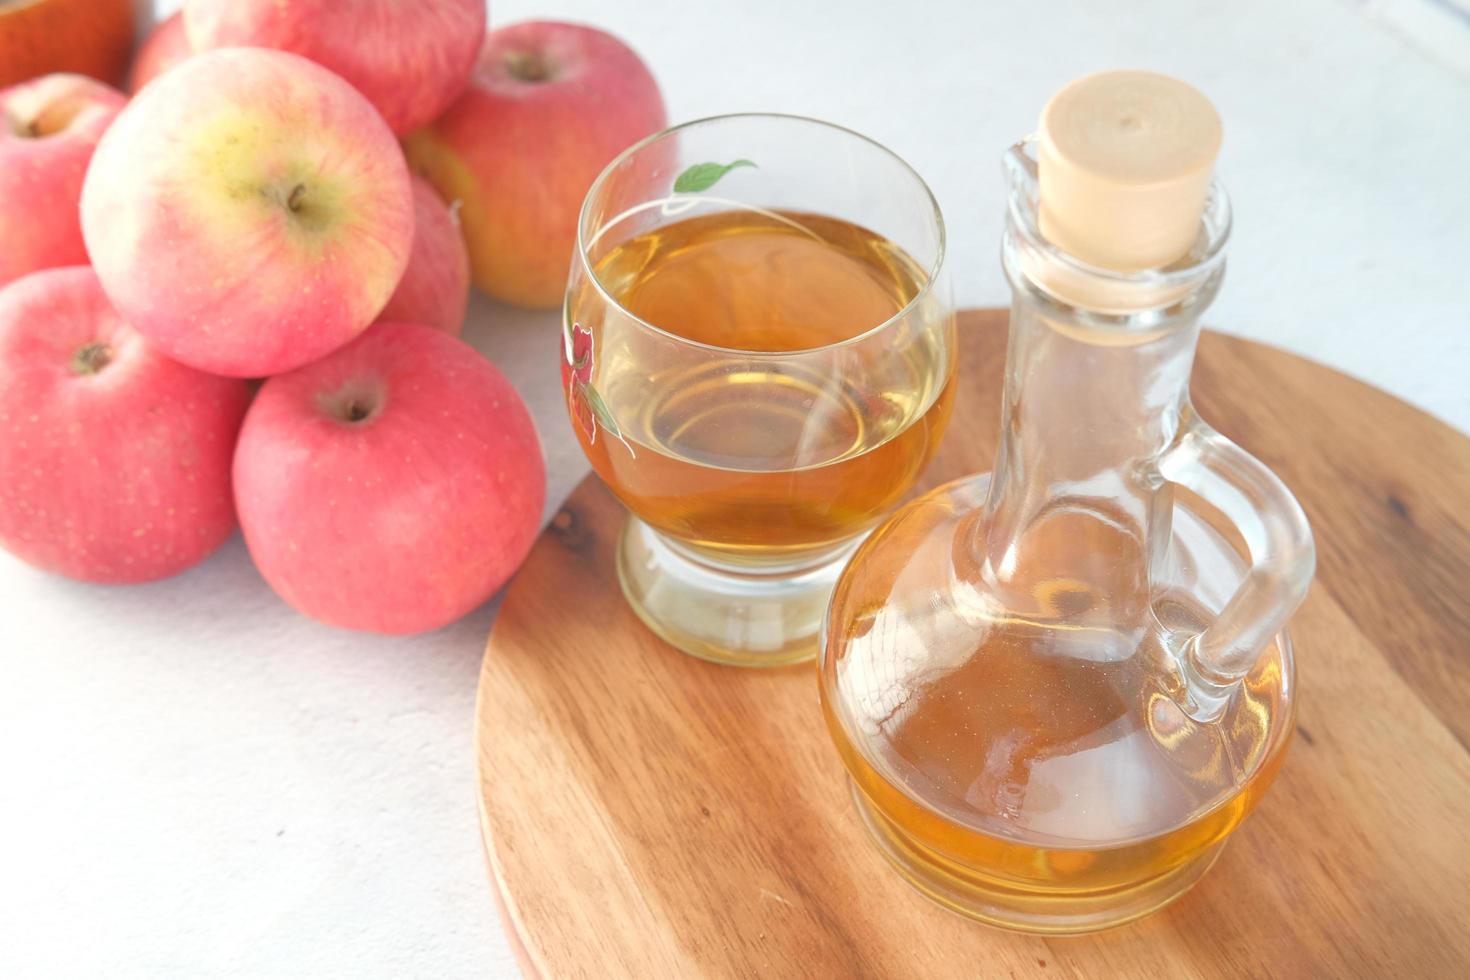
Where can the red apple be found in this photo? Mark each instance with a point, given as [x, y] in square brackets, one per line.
[249, 212]
[392, 486]
[435, 289]
[409, 58]
[165, 47]
[114, 460]
[550, 104]
[48, 130]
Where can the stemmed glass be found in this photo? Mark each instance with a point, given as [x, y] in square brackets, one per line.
[759, 351]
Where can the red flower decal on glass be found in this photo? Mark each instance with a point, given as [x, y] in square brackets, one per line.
[586, 403]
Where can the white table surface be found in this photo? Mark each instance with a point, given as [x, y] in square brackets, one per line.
[196, 781]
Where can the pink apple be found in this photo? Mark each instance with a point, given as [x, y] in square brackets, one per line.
[48, 130]
[435, 289]
[409, 57]
[248, 212]
[114, 460]
[165, 47]
[392, 486]
[550, 104]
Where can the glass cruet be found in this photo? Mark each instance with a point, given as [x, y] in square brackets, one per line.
[1059, 686]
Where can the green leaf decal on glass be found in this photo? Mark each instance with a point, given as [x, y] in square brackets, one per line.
[600, 409]
[602, 414]
[703, 176]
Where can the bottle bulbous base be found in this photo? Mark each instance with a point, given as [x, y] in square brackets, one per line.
[1011, 719]
[1004, 905]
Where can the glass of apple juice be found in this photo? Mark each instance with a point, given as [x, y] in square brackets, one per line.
[758, 361]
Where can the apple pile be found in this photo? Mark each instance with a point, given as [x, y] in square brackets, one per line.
[269, 212]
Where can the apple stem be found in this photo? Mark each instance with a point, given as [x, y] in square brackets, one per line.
[356, 402]
[294, 201]
[91, 359]
[528, 66]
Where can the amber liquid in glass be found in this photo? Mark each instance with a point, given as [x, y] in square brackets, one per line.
[1018, 742]
[763, 461]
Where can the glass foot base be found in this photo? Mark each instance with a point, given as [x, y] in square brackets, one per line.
[716, 613]
[1008, 907]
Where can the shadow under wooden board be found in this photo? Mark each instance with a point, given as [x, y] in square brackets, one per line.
[651, 815]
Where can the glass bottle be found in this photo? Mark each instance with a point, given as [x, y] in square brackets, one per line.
[1059, 686]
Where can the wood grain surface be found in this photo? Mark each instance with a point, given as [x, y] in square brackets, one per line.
[647, 814]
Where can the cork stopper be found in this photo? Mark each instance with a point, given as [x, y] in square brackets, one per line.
[1123, 168]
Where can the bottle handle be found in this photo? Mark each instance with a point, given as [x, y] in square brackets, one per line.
[1282, 556]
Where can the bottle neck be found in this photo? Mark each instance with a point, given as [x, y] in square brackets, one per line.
[1083, 416]
[1096, 388]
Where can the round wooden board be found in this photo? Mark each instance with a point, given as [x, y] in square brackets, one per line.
[647, 814]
